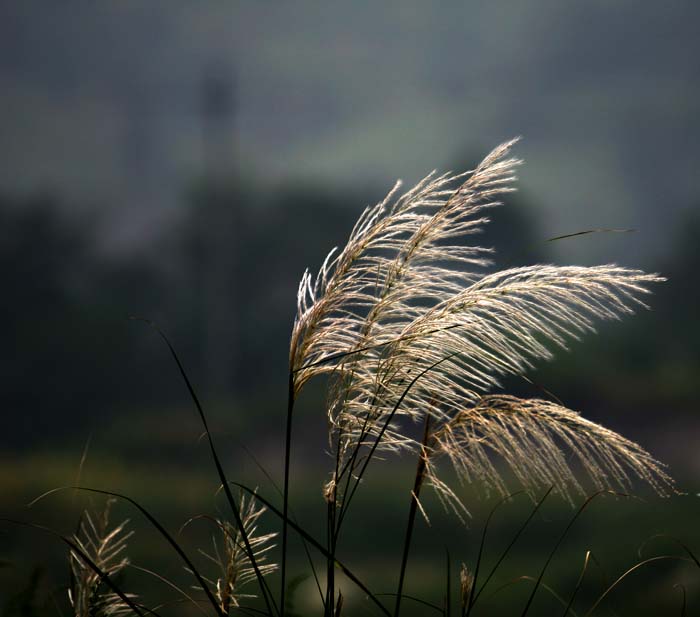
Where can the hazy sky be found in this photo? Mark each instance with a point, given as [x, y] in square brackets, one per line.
[101, 102]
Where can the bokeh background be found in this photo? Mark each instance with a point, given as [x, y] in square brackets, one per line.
[184, 162]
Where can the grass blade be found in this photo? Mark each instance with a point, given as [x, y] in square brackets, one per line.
[474, 597]
[319, 547]
[385, 426]
[415, 496]
[285, 506]
[634, 568]
[158, 526]
[531, 579]
[591, 231]
[560, 540]
[267, 596]
[435, 607]
[172, 585]
[683, 591]
[676, 541]
[578, 584]
[104, 577]
[277, 489]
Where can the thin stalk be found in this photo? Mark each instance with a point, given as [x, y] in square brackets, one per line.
[331, 608]
[339, 604]
[385, 426]
[163, 532]
[630, 571]
[285, 506]
[530, 579]
[683, 591]
[318, 546]
[538, 581]
[578, 584]
[474, 595]
[104, 577]
[415, 494]
[436, 608]
[333, 532]
[313, 571]
[173, 586]
[676, 541]
[330, 562]
[350, 466]
[264, 588]
[278, 490]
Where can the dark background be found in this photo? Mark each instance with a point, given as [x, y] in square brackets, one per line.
[184, 162]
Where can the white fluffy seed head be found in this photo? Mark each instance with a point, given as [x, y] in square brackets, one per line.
[408, 325]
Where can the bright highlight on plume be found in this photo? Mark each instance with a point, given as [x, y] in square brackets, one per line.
[412, 329]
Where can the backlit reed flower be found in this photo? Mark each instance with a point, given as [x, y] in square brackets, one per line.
[409, 325]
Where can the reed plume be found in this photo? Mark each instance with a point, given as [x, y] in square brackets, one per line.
[410, 326]
[232, 560]
[466, 586]
[105, 548]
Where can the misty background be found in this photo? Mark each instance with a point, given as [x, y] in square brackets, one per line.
[185, 162]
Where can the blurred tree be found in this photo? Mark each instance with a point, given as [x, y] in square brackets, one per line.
[66, 337]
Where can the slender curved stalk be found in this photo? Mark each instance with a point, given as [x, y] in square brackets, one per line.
[559, 541]
[264, 589]
[628, 572]
[104, 577]
[675, 540]
[531, 579]
[415, 495]
[385, 426]
[683, 591]
[279, 491]
[473, 597]
[285, 506]
[578, 584]
[172, 586]
[318, 546]
[330, 561]
[435, 607]
[159, 527]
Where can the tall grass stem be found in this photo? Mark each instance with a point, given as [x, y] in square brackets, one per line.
[413, 508]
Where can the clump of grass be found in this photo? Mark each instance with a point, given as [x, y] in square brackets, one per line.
[413, 330]
[410, 327]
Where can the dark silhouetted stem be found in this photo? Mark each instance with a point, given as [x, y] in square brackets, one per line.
[318, 546]
[285, 506]
[330, 580]
[415, 494]
[267, 596]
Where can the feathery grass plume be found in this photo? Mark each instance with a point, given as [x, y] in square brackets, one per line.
[529, 437]
[231, 559]
[408, 326]
[105, 547]
[466, 586]
[396, 256]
